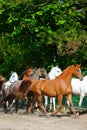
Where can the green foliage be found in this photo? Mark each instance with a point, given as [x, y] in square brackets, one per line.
[42, 33]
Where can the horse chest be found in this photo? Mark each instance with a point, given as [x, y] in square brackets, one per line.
[65, 87]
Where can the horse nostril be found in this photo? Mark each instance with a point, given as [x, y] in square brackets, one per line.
[81, 78]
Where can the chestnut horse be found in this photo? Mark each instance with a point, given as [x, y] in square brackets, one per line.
[58, 87]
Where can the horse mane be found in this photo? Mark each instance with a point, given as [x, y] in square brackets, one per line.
[25, 71]
[34, 71]
[65, 72]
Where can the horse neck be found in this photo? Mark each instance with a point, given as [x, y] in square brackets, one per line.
[66, 74]
[24, 77]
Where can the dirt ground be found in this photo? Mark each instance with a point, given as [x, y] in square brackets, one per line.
[38, 121]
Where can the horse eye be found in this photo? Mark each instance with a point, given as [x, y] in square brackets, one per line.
[78, 70]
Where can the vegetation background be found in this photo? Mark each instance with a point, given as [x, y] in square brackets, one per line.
[42, 33]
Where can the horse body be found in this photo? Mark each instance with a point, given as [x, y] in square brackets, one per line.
[47, 87]
[57, 87]
[15, 87]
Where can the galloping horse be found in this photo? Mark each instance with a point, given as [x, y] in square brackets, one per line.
[57, 87]
[20, 87]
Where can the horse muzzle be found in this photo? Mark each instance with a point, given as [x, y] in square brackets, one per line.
[81, 78]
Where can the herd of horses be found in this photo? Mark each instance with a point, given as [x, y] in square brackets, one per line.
[35, 83]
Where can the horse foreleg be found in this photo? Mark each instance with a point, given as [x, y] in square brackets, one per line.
[81, 99]
[59, 104]
[39, 99]
[69, 97]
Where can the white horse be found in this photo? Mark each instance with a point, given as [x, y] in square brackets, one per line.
[55, 71]
[79, 88]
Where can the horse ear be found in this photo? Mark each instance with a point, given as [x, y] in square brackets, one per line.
[79, 65]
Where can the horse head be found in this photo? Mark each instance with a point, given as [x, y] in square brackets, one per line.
[55, 71]
[76, 71]
[29, 71]
[43, 73]
[13, 77]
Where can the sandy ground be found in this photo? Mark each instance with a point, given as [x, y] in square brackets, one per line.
[38, 121]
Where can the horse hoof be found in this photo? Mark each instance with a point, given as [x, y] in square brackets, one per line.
[75, 116]
[47, 115]
[52, 114]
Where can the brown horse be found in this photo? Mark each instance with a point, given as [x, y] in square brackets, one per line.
[58, 87]
[21, 87]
